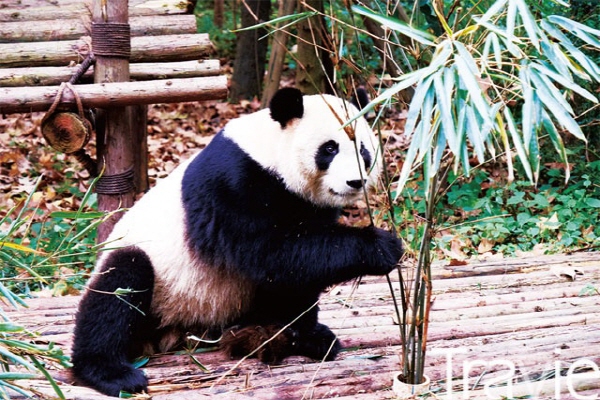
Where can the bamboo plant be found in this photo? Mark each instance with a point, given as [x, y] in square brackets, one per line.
[492, 81]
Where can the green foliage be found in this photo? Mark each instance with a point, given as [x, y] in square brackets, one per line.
[33, 255]
[56, 251]
[18, 352]
[517, 217]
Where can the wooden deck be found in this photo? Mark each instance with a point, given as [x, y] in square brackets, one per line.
[532, 321]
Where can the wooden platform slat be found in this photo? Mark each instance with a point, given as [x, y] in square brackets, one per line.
[519, 311]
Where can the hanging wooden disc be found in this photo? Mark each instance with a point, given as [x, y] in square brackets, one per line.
[66, 132]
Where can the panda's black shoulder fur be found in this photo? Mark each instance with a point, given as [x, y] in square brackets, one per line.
[224, 181]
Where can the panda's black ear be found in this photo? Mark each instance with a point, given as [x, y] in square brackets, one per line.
[360, 98]
[286, 105]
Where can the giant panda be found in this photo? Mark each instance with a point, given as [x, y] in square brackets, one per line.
[237, 243]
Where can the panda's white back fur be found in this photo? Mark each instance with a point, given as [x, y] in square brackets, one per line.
[161, 237]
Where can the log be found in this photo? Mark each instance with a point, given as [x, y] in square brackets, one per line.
[49, 76]
[36, 10]
[72, 29]
[116, 94]
[114, 148]
[162, 48]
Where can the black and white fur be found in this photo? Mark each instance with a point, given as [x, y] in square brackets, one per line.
[238, 241]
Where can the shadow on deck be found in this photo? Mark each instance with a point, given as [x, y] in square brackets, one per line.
[533, 322]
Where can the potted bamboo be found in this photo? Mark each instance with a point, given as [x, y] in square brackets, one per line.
[493, 82]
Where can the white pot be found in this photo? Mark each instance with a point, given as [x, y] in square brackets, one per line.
[407, 391]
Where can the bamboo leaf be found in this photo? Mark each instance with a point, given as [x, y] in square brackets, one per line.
[559, 60]
[442, 19]
[528, 23]
[472, 85]
[19, 247]
[511, 20]
[397, 25]
[411, 154]
[19, 219]
[414, 109]
[557, 141]
[534, 156]
[519, 147]
[506, 144]
[15, 359]
[492, 44]
[468, 58]
[429, 116]
[587, 34]
[5, 385]
[556, 107]
[475, 134]
[567, 83]
[404, 82]
[466, 31]
[77, 214]
[588, 65]
[16, 375]
[10, 327]
[12, 298]
[461, 135]
[440, 56]
[48, 377]
[444, 106]
[497, 49]
[542, 83]
[17, 263]
[509, 42]
[527, 114]
[492, 11]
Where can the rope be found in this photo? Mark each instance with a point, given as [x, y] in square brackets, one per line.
[83, 67]
[115, 184]
[58, 98]
[111, 39]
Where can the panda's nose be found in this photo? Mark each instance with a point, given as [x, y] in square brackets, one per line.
[356, 184]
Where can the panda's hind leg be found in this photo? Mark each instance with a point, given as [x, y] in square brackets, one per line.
[113, 323]
[274, 342]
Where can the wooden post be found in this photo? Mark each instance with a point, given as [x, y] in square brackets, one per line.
[115, 145]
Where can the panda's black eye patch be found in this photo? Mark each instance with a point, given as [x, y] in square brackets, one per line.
[325, 154]
[366, 156]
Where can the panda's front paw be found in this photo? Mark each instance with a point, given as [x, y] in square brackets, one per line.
[386, 252]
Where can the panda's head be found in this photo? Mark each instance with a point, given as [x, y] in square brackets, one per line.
[302, 140]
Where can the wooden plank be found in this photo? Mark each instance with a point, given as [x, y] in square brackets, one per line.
[116, 94]
[50, 76]
[162, 48]
[36, 10]
[480, 324]
[73, 29]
